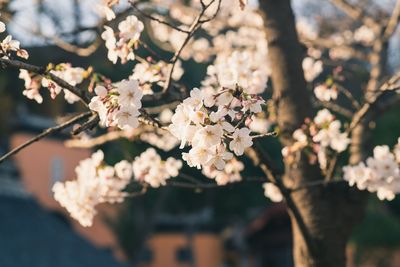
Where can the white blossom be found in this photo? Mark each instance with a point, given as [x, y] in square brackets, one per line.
[95, 183]
[323, 116]
[122, 48]
[105, 11]
[118, 106]
[2, 27]
[124, 170]
[229, 174]
[240, 141]
[364, 35]
[325, 93]
[380, 174]
[130, 28]
[272, 192]
[312, 68]
[151, 169]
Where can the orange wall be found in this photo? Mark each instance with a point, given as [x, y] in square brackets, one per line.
[207, 250]
[37, 164]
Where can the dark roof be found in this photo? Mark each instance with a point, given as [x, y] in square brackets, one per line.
[30, 236]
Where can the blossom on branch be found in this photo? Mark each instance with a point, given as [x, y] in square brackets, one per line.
[324, 93]
[213, 124]
[128, 36]
[95, 183]
[118, 104]
[272, 192]
[151, 169]
[380, 173]
[324, 137]
[230, 173]
[71, 75]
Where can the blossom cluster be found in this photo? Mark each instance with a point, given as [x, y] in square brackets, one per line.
[64, 71]
[326, 93]
[380, 173]
[104, 9]
[322, 135]
[151, 169]
[228, 21]
[118, 104]
[96, 183]
[229, 174]
[149, 73]
[214, 125]
[272, 192]
[235, 40]
[128, 36]
[240, 68]
[9, 45]
[341, 44]
[312, 68]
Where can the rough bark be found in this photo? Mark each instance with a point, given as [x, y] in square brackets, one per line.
[329, 212]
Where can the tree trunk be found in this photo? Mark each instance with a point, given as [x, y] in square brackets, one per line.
[328, 212]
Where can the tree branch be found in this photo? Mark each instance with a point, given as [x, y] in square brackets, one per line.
[46, 73]
[148, 16]
[393, 21]
[45, 133]
[356, 13]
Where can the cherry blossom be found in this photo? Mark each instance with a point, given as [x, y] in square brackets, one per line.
[2, 27]
[323, 135]
[9, 45]
[240, 141]
[151, 169]
[272, 192]
[122, 48]
[104, 10]
[119, 104]
[380, 173]
[206, 120]
[324, 93]
[148, 73]
[64, 71]
[364, 35]
[32, 86]
[396, 151]
[312, 68]
[72, 75]
[95, 183]
[230, 173]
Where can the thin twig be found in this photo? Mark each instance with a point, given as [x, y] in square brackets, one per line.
[134, 5]
[142, 191]
[99, 140]
[393, 21]
[192, 29]
[349, 96]
[337, 108]
[356, 13]
[88, 125]
[332, 166]
[264, 135]
[45, 133]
